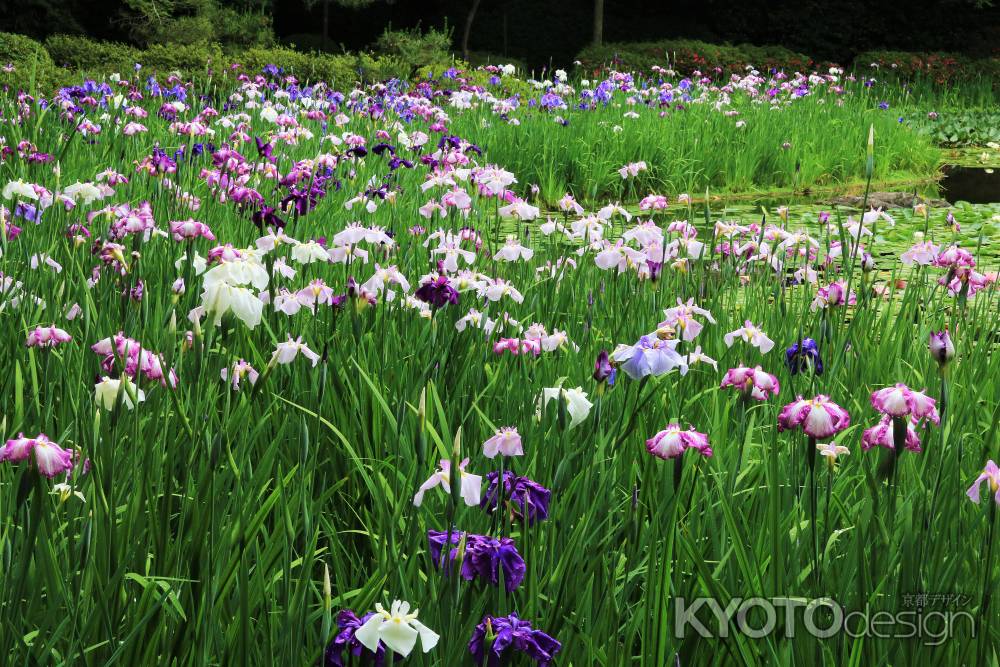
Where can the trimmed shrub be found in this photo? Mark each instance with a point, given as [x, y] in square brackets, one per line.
[339, 70]
[81, 53]
[687, 56]
[30, 60]
[190, 61]
[939, 66]
[19, 49]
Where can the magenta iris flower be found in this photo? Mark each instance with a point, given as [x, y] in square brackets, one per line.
[900, 401]
[672, 442]
[818, 417]
[752, 382]
[50, 458]
[881, 435]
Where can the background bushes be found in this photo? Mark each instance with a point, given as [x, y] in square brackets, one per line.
[62, 59]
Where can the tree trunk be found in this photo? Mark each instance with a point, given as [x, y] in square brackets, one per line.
[326, 25]
[469, 18]
[598, 22]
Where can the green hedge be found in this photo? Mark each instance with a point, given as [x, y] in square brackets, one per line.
[939, 66]
[687, 55]
[32, 63]
[80, 53]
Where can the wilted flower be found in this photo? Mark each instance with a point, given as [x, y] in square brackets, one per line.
[506, 441]
[818, 417]
[496, 636]
[671, 442]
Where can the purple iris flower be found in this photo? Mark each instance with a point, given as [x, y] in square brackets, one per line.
[264, 149]
[524, 497]
[495, 635]
[348, 623]
[484, 557]
[603, 370]
[801, 357]
[267, 216]
[438, 292]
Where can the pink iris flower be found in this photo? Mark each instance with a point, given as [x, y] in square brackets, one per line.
[671, 442]
[47, 337]
[900, 401]
[991, 474]
[818, 417]
[754, 382]
[49, 456]
[506, 442]
[881, 435]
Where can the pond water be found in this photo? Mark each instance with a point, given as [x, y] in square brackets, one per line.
[976, 185]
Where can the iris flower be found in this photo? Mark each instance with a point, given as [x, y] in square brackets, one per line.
[472, 485]
[752, 382]
[804, 355]
[50, 458]
[506, 441]
[576, 401]
[397, 628]
[818, 417]
[671, 442]
[47, 337]
[524, 497]
[484, 557]
[651, 355]
[990, 474]
[751, 334]
[900, 401]
[497, 637]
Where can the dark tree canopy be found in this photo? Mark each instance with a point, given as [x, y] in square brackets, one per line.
[536, 32]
